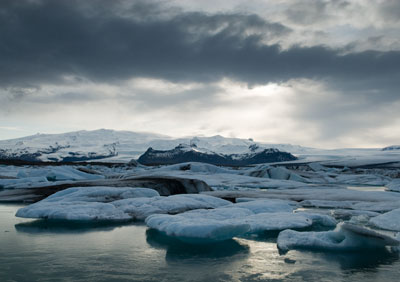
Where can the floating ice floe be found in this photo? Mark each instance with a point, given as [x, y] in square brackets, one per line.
[199, 226]
[220, 178]
[372, 206]
[26, 182]
[267, 171]
[393, 185]
[114, 204]
[195, 167]
[84, 203]
[141, 208]
[267, 205]
[388, 221]
[31, 177]
[320, 219]
[346, 237]
[344, 214]
[377, 201]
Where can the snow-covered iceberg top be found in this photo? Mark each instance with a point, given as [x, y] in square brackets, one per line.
[114, 204]
[205, 226]
[388, 221]
[393, 185]
[30, 176]
[346, 237]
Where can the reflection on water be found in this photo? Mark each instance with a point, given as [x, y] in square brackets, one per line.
[362, 261]
[177, 250]
[58, 226]
[34, 250]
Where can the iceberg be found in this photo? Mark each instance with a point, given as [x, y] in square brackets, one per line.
[198, 226]
[141, 208]
[346, 237]
[320, 219]
[201, 226]
[32, 177]
[267, 206]
[267, 171]
[388, 221]
[114, 204]
[278, 221]
[344, 214]
[393, 186]
[84, 204]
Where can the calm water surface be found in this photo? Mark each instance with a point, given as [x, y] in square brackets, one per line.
[38, 250]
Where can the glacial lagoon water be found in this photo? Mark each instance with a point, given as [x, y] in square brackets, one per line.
[33, 250]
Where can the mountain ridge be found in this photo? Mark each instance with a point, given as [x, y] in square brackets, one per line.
[116, 146]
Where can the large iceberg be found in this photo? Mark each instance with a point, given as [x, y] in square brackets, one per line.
[201, 226]
[198, 226]
[346, 237]
[114, 204]
[84, 204]
[140, 208]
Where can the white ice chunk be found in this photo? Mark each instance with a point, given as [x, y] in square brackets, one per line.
[127, 203]
[84, 203]
[206, 225]
[267, 171]
[320, 219]
[21, 182]
[32, 177]
[317, 167]
[140, 208]
[347, 214]
[388, 221]
[201, 226]
[99, 194]
[81, 211]
[69, 173]
[346, 237]
[269, 206]
[358, 200]
[393, 185]
[275, 221]
[384, 206]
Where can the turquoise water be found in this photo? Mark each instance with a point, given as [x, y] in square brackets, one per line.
[38, 250]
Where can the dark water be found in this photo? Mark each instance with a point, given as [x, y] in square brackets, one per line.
[41, 251]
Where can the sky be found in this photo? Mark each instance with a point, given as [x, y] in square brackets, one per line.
[319, 73]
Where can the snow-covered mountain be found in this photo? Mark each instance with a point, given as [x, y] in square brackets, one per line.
[191, 153]
[119, 146]
[123, 146]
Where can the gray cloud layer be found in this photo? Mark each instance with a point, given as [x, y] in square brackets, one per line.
[46, 44]
[45, 40]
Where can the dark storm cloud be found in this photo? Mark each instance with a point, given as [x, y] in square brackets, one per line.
[43, 41]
